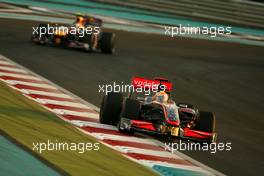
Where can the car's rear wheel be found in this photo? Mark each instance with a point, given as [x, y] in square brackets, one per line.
[206, 123]
[41, 34]
[107, 42]
[111, 107]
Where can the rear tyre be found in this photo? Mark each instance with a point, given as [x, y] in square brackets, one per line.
[111, 107]
[107, 42]
[206, 123]
[43, 30]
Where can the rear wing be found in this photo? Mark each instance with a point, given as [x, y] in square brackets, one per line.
[152, 84]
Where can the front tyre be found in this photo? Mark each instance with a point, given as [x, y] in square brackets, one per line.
[207, 123]
[110, 109]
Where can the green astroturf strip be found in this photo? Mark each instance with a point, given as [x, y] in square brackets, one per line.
[28, 123]
[15, 161]
[168, 171]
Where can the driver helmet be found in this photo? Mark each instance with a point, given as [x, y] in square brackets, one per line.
[161, 97]
[80, 21]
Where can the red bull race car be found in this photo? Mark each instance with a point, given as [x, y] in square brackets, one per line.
[156, 113]
[85, 33]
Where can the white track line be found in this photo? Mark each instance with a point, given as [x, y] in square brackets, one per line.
[63, 103]
[57, 94]
[75, 113]
[72, 96]
[6, 62]
[14, 82]
[12, 69]
[80, 123]
[20, 76]
[126, 149]
[103, 136]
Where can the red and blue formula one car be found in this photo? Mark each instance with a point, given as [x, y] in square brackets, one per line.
[156, 113]
[85, 33]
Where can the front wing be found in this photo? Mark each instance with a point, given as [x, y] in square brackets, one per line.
[163, 129]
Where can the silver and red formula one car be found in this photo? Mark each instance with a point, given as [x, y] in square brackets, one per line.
[85, 33]
[157, 114]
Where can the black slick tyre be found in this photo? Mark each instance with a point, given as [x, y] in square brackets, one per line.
[110, 109]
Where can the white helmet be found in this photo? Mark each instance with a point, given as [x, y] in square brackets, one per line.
[161, 97]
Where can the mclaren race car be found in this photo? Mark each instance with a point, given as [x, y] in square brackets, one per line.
[85, 33]
[157, 114]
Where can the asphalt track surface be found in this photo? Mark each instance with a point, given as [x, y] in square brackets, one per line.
[225, 78]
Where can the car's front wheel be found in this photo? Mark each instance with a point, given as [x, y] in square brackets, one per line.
[206, 123]
[110, 109]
